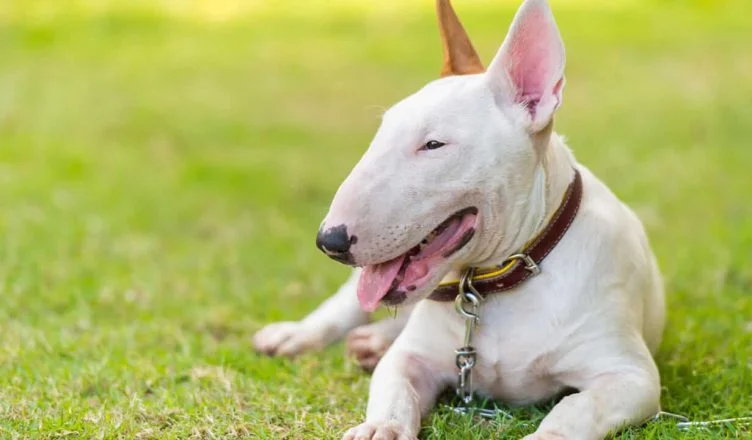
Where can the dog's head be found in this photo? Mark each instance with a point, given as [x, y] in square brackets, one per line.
[450, 171]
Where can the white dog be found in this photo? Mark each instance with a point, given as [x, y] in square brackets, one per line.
[464, 174]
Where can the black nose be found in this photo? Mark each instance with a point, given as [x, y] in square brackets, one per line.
[336, 242]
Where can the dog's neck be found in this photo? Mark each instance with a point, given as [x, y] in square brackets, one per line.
[554, 173]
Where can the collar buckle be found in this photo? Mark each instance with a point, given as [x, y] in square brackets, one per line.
[530, 264]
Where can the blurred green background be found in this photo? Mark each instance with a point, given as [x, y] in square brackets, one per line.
[164, 166]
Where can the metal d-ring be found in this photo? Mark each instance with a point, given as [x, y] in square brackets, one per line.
[467, 296]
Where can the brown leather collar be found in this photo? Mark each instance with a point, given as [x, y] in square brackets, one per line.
[526, 263]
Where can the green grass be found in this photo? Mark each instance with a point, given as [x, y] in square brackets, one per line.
[163, 173]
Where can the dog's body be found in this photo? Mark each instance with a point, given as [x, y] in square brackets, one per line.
[590, 321]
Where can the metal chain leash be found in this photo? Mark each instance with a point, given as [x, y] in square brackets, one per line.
[685, 424]
[467, 305]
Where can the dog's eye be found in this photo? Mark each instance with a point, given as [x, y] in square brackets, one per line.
[432, 145]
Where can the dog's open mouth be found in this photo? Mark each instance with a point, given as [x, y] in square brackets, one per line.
[390, 281]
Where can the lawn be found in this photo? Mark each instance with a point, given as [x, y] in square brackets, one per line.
[164, 167]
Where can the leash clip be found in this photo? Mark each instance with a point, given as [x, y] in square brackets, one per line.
[467, 305]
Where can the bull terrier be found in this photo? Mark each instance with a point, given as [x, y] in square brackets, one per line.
[468, 210]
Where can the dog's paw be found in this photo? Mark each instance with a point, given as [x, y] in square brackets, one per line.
[287, 339]
[367, 345]
[378, 431]
[544, 436]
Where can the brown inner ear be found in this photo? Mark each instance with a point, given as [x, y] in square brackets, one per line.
[460, 57]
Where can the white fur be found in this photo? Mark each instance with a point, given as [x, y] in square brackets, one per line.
[590, 321]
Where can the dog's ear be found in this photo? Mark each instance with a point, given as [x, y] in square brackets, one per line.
[529, 67]
[460, 57]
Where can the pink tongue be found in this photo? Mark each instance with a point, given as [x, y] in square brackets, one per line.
[375, 281]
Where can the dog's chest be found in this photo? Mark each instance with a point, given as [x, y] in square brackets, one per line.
[516, 368]
[517, 343]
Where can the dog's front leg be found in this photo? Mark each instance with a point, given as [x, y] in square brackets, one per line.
[368, 343]
[328, 323]
[605, 404]
[404, 387]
